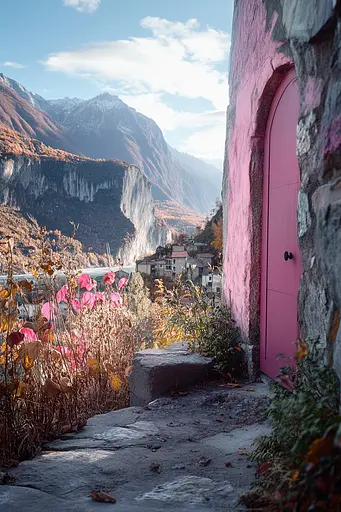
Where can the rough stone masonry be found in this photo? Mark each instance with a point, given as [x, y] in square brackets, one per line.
[269, 36]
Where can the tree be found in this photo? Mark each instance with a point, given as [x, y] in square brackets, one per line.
[218, 236]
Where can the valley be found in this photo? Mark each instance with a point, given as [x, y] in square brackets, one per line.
[101, 165]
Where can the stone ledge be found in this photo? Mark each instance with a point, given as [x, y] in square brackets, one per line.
[157, 372]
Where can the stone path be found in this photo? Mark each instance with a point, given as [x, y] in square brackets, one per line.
[182, 453]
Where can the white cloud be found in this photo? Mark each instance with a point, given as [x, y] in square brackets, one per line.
[179, 59]
[209, 128]
[208, 144]
[15, 65]
[169, 119]
[83, 5]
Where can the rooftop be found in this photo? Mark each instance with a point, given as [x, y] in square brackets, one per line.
[180, 254]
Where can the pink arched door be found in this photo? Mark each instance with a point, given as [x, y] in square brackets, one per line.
[281, 262]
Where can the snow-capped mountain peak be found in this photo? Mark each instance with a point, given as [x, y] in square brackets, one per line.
[19, 89]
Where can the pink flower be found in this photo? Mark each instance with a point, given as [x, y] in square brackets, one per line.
[76, 306]
[48, 310]
[88, 299]
[116, 299]
[84, 281]
[109, 278]
[99, 297]
[65, 351]
[29, 334]
[122, 283]
[62, 294]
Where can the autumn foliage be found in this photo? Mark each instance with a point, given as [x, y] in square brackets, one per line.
[69, 360]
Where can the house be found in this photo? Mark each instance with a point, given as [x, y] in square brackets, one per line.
[206, 256]
[282, 179]
[179, 259]
[153, 265]
[168, 262]
[196, 269]
[212, 282]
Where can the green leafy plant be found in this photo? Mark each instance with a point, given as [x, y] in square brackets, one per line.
[300, 462]
[186, 313]
[305, 403]
[221, 339]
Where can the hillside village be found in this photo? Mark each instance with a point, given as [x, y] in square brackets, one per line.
[196, 260]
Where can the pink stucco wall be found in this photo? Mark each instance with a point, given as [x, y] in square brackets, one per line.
[254, 60]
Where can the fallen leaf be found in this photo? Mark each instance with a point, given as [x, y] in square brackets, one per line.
[155, 467]
[228, 464]
[243, 452]
[250, 388]
[103, 497]
[204, 461]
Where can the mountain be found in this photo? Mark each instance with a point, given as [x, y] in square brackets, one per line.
[105, 127]
[215, 162]
[22, 111]
[200, 169]
[109, 200]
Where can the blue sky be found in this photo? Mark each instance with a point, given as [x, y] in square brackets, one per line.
[166, 58]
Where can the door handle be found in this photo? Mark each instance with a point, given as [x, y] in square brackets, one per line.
[288, 256]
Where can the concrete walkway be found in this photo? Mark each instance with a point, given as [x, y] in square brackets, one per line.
[181, 453]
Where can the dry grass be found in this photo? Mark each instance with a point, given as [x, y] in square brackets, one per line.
[69, 362]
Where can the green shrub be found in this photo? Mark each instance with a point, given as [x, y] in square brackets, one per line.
[300, 462]
[300, 416]
[186, 313]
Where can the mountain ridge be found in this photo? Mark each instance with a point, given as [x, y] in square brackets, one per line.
[105, 127]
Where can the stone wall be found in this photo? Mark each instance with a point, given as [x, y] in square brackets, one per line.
[269, 36]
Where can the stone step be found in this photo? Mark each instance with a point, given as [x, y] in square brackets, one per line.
[156, 372]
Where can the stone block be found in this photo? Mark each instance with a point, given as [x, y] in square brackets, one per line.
[305, 27]
[158, 371]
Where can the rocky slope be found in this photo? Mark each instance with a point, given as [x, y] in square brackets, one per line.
[105, 127]
[110, 201]
[26, 235]
[23, 112]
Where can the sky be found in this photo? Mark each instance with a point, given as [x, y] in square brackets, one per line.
[168, 59]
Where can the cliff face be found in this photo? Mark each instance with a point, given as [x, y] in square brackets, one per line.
[109, 201]
[105, 127]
